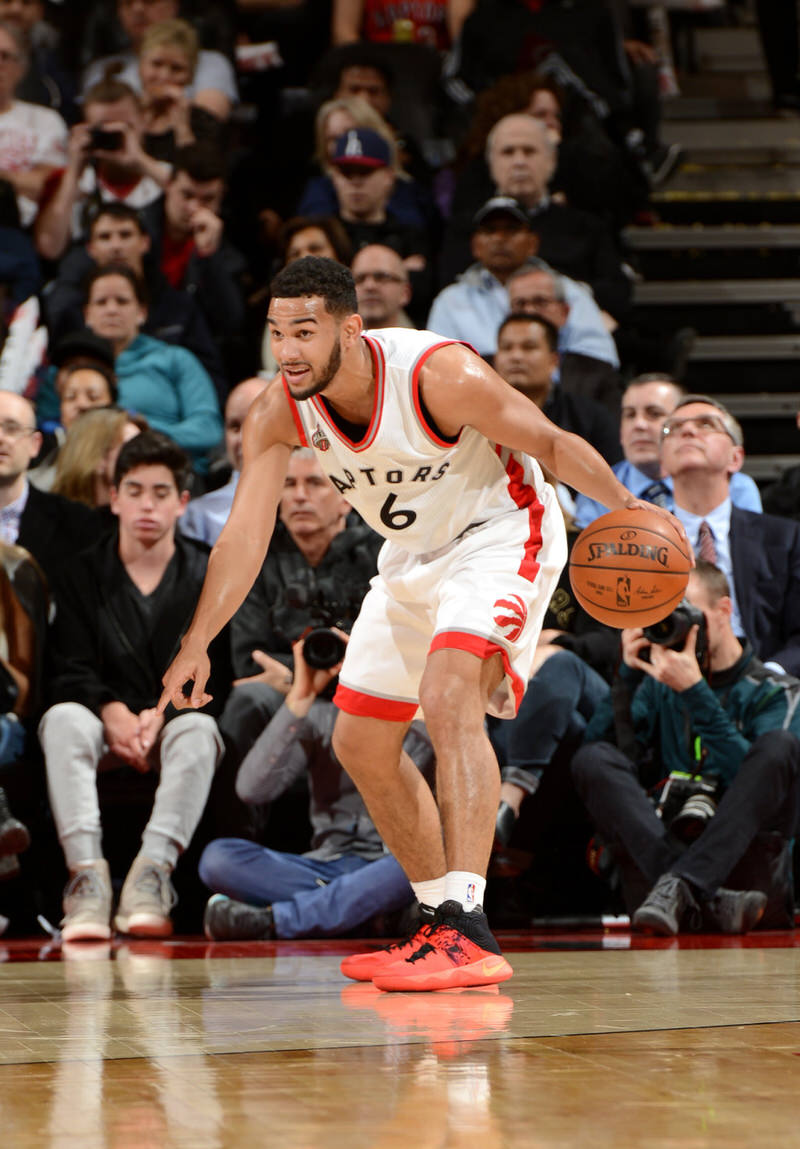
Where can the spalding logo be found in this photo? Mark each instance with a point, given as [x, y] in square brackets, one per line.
[511, 616]
[652, 551]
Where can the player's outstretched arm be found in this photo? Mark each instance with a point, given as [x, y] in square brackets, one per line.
[268, 437]
[460, 389]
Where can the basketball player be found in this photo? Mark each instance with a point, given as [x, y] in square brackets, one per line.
[408, 426]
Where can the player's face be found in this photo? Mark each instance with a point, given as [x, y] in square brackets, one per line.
[310, 503]
[83, 390]
[535, 294]
[148, 503]
[697, 440]
[381, 283]
[117, 241]
[305, 342]
[524, 359]
[502, 244]
[521, 160]
[644, 409]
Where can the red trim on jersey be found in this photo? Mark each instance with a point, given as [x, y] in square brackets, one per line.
[298, 422]
[372, 430]
[369, 706]
[430, 431]
[525, 496]
[482, 648]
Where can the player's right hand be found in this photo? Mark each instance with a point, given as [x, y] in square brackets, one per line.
[191, 666]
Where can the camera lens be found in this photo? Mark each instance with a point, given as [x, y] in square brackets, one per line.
[322, 648]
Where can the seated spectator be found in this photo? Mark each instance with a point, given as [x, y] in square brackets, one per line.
[33, 139]
[320, 553]
[166, 384]
[81, 387]
[106, 161]
[50, 527]
[438, 24]
[472, 308]
[214, 83]
[346, 876]
[47, 81]
[20, 277]
[701, 447]
[80, 348]
[85, 466]
[189, 240]
[167, 63]
[522, 157]
[313, 235]
[118, 235]
[616, 188]
[364, 173]
[527, 358]
[382, 287]
[588, 360]
[647, 402]
[335, 117]
[120, 613]
[23, 622]
[725, 723]
[205, 517]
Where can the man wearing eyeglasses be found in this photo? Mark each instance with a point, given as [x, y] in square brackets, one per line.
[47, 525]
[701, 449]
[382, 287]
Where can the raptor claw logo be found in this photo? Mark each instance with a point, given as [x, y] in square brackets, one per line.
[511, 616]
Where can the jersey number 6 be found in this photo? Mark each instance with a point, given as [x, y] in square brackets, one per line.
[397, 520]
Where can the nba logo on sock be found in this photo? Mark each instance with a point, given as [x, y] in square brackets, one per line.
[471, 894]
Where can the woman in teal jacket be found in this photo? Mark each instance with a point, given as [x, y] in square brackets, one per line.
[166, 384]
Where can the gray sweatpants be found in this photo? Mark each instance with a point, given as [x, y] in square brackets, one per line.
[187, 752]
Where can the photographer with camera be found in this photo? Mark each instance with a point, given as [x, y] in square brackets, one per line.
[347, 876]
[723, 728]
[319, 555]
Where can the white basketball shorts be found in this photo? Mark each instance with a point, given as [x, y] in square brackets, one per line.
[486, 592]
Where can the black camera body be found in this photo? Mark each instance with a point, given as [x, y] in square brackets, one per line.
[105, 140]
[322, 647]
[672, 630]
[687, 804]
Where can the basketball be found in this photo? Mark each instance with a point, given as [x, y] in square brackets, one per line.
[629, 568]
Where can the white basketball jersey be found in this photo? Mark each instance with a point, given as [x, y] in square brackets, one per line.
[410, 484]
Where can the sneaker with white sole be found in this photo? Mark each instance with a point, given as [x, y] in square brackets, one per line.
[87, 903]
[146, 900]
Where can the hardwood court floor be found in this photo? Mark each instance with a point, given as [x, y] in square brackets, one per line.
[598, 1040]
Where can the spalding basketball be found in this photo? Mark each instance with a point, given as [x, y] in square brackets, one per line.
[629, 568]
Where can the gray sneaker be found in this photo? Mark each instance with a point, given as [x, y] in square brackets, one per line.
[225, 919]
[666, 906]
[146, 900]
[87, 904]
[734, 911]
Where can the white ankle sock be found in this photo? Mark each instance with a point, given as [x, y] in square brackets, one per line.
[468, 889]
[429, 893]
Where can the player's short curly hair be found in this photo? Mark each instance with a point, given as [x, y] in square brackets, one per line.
[315, 275]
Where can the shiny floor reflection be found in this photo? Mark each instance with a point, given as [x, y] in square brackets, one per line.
[135, 1047]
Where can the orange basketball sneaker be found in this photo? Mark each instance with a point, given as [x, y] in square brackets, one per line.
[363, 967]
[459, 951]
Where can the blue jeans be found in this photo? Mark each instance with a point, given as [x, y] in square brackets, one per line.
[309, 897]
[560, 699]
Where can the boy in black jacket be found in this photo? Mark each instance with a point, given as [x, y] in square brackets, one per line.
[122, 608]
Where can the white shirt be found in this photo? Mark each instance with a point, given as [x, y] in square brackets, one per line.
[30, 135]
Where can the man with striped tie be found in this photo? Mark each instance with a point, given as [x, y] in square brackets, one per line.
[701, 449]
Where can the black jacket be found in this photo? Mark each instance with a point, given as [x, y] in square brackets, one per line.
[53, 529]
[765, 554]
[271, 618]
[98, 651]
